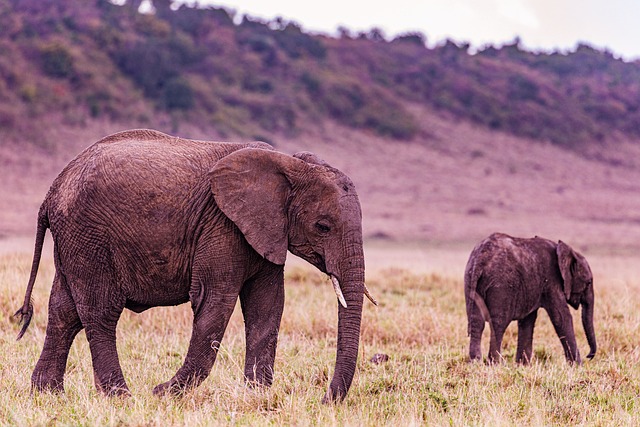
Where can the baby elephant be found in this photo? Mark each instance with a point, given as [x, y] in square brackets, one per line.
[509, 278]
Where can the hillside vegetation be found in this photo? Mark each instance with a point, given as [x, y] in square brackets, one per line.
[69, 61]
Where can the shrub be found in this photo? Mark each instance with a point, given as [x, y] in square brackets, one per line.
[153, 62]
[199, 22]
[416, 38]
[342, 100]
[148, 64]
[255, 83]
[295, 43]
[97, 102]
[56, 61]
[521, 88]
[351, 104]
[178, 94]
[151, 25]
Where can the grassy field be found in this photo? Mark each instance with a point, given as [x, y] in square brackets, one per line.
[420, 324]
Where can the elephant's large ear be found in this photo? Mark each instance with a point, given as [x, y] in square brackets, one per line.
[566, 257]
[251, 187]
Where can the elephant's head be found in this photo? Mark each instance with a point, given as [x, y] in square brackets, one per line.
[578, 288]
[302, 204]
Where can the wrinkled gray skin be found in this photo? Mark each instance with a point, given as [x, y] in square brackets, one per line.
[143, 219]
[509, 278]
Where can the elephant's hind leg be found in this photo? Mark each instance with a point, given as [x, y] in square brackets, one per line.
[476, 328]
[62, 327]
[497, 332]
[100, 319]
[262, 301]
[525, 338]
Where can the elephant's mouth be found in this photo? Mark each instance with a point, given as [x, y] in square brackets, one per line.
[574, 301]
[307, 253]
[318, 261]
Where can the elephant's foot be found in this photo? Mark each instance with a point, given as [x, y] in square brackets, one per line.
[475, 354]
[168, 387]
[173, 387]
[115, 391]
[494, 360]
[183, 381]
[47, 376]
[40, 383]
[255, 377]
[333, 396]
[523, 359]
[113, 387]
[252, 383]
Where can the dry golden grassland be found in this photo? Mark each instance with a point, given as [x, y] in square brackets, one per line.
[420, 324]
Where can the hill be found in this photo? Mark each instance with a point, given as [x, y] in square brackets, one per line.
[95, 59]
[443, 145]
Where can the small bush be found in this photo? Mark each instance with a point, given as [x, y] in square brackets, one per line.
[411, 37]
[311, 83]
[178, 94]
[97, 102]
[295, 43]
[56, 61]
[521, 88]
[351, 104]
[255, 83]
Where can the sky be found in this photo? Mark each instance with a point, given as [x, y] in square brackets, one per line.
[542, 25]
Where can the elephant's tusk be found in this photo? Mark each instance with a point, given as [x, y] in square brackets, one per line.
[368, 294]
[336, 287]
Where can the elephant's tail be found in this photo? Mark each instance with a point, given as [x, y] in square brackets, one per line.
[25, 313]
[474, 277]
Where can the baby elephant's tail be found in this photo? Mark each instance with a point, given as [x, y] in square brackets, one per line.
[25, 313]
[474, 275]
[481, 306]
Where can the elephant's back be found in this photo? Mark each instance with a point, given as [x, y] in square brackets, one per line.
[163, 150]
[137, 166]
[502, 260]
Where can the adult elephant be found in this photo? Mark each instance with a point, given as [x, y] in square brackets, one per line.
[143, 219]
[510, 278]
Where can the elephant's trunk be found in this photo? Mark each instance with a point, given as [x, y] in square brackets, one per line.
[587, 322]
[349, 318]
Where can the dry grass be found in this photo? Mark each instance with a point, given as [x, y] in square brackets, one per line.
[420, 324]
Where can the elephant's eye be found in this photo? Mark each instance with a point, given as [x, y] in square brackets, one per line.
[322, 228]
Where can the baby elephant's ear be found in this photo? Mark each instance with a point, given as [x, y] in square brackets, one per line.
[310, 157]
[566, 258]
[251, 188]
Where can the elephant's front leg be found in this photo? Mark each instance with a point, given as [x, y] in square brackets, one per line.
[262, 301]
[563, 324]
[212, 308]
